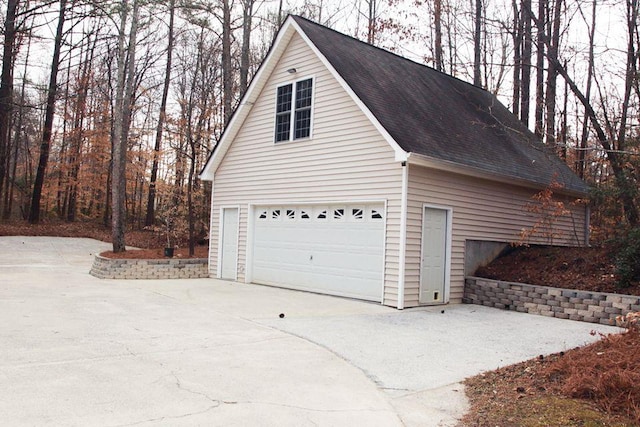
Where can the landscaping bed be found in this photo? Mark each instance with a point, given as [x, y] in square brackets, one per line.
[597, 385]
[588, 269]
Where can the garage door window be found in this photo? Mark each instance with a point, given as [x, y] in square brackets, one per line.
[340, 213]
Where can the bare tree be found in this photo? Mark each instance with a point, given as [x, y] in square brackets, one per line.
[477, 40]
[580, 164]
[372, 18]
[227, 70]
[121, 122]
[525, 81]
[552, 74]
[437, 23]
[151, 200]
[540, 55]
[616, 155]
[6, 83]
[247, 15]
[34, 212]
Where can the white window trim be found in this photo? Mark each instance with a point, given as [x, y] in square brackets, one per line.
[293, 110]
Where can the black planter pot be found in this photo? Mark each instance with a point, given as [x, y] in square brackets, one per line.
[168, 252]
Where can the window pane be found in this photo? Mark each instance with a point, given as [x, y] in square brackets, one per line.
[303, 124]
[303, 94]
[283, 124]
[283, 102]
[283, 112]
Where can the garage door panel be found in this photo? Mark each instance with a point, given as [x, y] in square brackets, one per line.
[329, 249]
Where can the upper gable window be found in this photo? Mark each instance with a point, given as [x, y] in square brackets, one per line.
[293, 111]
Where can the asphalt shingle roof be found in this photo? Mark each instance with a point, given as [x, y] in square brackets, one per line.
[433, 114]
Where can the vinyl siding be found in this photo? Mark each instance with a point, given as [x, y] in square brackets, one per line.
[482, 210]
[346, 159]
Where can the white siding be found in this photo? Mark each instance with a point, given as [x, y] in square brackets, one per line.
[482, 210]
[346, 159]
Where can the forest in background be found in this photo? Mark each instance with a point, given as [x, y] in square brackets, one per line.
[109, 109]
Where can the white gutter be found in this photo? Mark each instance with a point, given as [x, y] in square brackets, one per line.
[403, 235]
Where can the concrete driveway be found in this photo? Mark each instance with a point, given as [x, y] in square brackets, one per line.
[77, 350]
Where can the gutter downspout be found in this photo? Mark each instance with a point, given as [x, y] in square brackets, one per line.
[403, 235]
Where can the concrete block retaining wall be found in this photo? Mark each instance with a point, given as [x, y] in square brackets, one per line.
[593, 307]
[174, 268]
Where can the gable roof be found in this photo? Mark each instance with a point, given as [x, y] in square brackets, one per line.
[421, 112]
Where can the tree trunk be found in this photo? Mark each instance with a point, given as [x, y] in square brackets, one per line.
[525, 82]
[6, 84]
[124, 87]
[631, 71]
[541, 36]
[227, 79]
[564, 130]
[150, 218]
[517, 57]
[371, 21]
[552, 74]
[437, 23]
[10, 184]
[580, 164]
[34, 211]
[75, 149]
[477, 80]
[247, 13]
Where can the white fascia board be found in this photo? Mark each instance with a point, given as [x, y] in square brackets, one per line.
[251, 95]
[447, 166]
[400, 154]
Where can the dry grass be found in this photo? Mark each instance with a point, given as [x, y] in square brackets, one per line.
[595, 385]
[607, 375]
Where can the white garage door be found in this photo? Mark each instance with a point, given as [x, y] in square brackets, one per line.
[335, 249]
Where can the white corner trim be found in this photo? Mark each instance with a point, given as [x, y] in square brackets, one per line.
[211, 212]
[400, 154]
[402, 255]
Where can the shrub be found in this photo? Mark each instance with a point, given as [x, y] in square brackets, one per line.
[627, 258]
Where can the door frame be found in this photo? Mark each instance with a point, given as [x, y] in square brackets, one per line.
[220, 240]
[447, 253]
